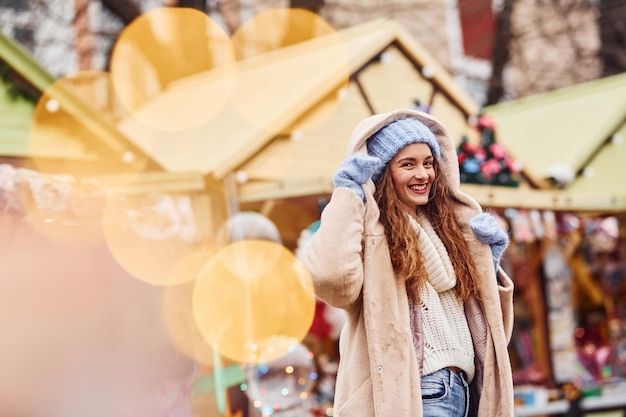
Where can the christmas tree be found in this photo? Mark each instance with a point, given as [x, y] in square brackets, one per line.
[486, 162]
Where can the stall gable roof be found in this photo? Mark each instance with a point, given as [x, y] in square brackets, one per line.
[303, 159]
[15, 130]
[16, 57]
[272, 92]
[563, 128]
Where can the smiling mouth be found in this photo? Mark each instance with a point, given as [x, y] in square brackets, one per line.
[418, 187]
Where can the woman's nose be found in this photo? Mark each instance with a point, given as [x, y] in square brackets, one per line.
[420, 173]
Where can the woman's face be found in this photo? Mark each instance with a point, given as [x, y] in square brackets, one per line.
[412, 173]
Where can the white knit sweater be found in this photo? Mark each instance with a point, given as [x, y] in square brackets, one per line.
[447, 339]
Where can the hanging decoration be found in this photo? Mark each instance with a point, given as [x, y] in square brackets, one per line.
[487, 162]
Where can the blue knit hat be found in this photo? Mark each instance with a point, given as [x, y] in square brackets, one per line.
[389, 140]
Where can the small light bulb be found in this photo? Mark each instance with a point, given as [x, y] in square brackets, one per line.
[52, 105]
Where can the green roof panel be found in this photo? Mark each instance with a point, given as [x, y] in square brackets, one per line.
[563, 127]
[606, 171]
[15, 119]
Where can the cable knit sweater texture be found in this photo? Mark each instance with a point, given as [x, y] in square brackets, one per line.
[447, 339]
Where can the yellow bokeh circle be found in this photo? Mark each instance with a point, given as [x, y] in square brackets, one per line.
[285, 53]
[172, 68]
[181, 324]
[152, 238]
[73, 129]
[251, 297]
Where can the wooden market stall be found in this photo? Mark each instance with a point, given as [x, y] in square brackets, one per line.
[277, 140]
[278, 156]
[283, 127]
[570, 138]
[571, 141]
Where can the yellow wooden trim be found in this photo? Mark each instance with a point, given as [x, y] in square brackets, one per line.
[487, 196]
[154, 182]
[103, 130]
[255, 192]
[558, 200]
[21, 61]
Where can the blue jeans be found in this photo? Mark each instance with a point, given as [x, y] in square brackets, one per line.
[445, 394]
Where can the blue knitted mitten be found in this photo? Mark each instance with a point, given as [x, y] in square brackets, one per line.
[355, 171]
[488, 230]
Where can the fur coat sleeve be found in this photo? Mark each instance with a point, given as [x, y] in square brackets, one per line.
[338, 280]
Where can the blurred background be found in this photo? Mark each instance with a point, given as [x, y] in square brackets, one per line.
[163, 165]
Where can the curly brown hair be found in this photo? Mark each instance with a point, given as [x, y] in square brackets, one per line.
[406, 257]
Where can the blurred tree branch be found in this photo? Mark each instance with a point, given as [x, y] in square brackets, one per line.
[126, 10]
[612, 23]
[501, 52]
[194, 4]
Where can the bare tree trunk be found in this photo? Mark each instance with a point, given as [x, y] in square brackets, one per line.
[612, 23]
[194, 4]
[501, 53]
[310, 5]
[126, 10]
[84, 37]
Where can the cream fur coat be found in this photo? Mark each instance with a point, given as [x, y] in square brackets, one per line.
[348, 258]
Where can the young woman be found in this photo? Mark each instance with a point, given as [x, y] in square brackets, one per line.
[415, 264]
